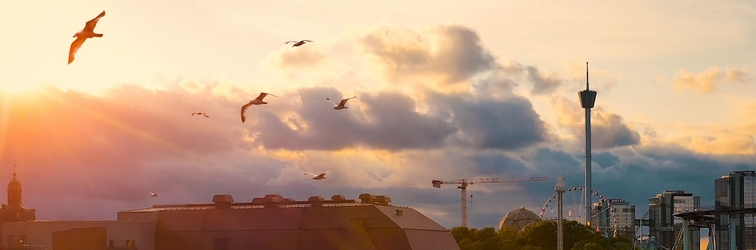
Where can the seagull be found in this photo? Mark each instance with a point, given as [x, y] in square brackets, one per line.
[81, 36]
[201, 113]
[317, 176]
[341, 104]
[256, 101]
[298, 43]
[153, 194]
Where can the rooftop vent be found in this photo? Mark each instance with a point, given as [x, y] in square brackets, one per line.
[223, 201]
[316, 201]
[338, 197]
[270, 200]
[367, 198]
[382, 200]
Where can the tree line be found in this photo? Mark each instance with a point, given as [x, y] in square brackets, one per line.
[537, 236]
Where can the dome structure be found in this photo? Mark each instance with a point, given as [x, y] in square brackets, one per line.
[519, 219]
[14, 185]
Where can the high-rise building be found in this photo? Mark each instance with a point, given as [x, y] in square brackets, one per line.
[662, 223]
[614, 218]
[736, 190]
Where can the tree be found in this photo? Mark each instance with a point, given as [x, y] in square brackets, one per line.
[538, 236]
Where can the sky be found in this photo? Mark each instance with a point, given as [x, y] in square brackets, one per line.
[445, 90]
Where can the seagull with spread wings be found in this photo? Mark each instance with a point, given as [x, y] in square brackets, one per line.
[341, 104]
[256, 101]
[201, 113]
[317, 176]
[81, 36]
[298, 43]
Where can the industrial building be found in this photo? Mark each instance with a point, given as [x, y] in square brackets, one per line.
[614, 218]
[736, 190]
[274, 222]
[663, 225]
[271, 222]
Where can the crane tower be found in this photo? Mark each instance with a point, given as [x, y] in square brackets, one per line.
[463, 183]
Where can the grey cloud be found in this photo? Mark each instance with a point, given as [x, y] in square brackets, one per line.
[613, 133]
[542, 84]
[500, 164]
[497, 124]
[390, 123]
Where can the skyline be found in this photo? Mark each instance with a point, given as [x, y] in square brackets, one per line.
[490, 91]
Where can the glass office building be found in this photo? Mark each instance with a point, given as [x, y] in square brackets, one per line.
[663, 225]
[736, 190]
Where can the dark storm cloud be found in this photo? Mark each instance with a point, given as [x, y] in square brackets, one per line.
[499, 164]
[507, 124]
[542, 84]
[390, 122]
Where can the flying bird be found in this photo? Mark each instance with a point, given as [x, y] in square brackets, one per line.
[341, 104]
[256, 101]
[201, 113]
[153, 194]
[298, 43]
[317, 176]
[81, 36]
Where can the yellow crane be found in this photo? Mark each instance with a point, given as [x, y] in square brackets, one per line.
[463, 183]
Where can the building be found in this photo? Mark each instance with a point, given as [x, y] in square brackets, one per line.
[271, 223]
[736, 190]
[519, 219]
[40, 234]
[15, 210]
[663, 225]
[614, 218]
[274, 222]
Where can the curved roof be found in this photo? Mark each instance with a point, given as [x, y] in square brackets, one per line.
[14, 185]
[519, 218]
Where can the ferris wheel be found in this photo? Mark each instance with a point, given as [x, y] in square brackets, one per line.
[573, 205]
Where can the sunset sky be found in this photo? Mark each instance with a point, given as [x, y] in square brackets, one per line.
[445, 90]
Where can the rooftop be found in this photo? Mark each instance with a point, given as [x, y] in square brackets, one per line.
[225, 201]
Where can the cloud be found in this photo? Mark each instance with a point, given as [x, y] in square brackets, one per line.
[289, 61]
[508, 124]
[542, 84]
[384, 120]
[443, 55]
[105, 152]
[706, 81]
[737, 75]
[608, 130]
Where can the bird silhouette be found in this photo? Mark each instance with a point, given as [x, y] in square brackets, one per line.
[298, 43]
[153, 194]
[201, 113]
[81, 36]
[317, 176]
[341, 104]
[256, 101]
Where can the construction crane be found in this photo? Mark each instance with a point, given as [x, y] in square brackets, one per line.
[463, 183]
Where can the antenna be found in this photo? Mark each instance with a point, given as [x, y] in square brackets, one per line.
[586, 76]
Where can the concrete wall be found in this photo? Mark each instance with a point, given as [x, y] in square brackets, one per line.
[39, 233]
